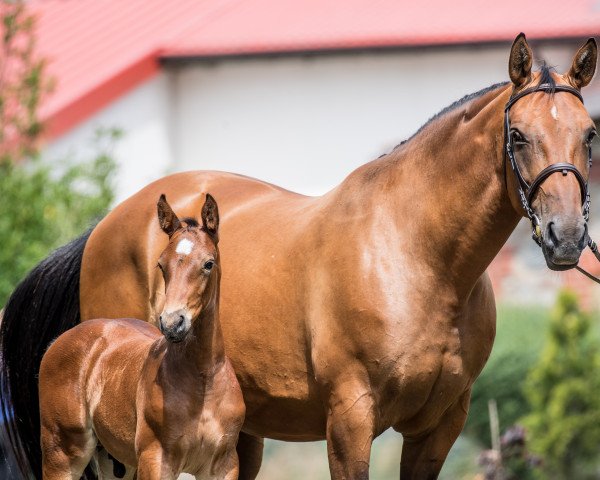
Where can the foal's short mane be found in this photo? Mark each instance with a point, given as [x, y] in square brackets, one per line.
[190, 222]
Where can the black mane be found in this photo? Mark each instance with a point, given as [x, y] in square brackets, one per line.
[462, 101]
[545, 78]
[454, 106]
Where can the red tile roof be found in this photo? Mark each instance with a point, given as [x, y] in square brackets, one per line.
[267, 26]
[99, 49]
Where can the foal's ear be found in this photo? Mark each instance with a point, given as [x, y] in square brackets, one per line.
[166, 216]
[519, 63]
[210, 216]
[584, 64]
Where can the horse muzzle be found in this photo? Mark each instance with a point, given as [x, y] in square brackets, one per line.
[175, 325]
[563, 242]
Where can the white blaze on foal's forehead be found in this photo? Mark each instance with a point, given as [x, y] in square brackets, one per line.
[184, 247]
[554, 112]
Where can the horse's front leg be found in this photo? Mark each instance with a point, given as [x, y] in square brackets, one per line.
[350, 428]
[423, 457]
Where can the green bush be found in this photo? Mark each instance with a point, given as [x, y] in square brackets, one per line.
[41, 206]
[562, 392]
[41, 210]
[519, 341]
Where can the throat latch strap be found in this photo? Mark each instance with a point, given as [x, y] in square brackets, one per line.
[594, 248]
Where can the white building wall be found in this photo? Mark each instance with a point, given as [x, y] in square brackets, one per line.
[144, 153]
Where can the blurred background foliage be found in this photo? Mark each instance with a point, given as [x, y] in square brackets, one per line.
[42, 208]
[562, 393]
[42, 205]
[519, 341]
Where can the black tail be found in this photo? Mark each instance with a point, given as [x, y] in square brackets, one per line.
[44, 305]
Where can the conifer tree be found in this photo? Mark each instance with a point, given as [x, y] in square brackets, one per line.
[563, 392]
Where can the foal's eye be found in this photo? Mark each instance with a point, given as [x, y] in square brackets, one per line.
[590, 138]
[209, 265]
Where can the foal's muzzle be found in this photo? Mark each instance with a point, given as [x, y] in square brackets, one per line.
[174, 325]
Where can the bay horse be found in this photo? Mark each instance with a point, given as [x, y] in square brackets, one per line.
[164, 403]
[347, 314]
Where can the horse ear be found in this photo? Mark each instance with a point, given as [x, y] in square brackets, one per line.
[166, 217]
[210, 216]
[520, 61]
[584, 64]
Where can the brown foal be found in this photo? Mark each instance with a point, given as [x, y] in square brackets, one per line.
[166, 403]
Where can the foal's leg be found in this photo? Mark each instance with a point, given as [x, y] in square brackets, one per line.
[250, 451]
[350, 428]
[226, 467]
[423, 458]
[152, 465]
[232, 474]
[66, 452]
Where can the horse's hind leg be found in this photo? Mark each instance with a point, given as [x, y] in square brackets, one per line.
[250, 451]
[65, 454]
[423, 458]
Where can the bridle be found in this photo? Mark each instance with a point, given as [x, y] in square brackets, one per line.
[527, 191]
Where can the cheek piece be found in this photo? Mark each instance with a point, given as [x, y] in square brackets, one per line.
[527, 191]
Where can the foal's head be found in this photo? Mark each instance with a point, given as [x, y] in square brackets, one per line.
[548, 128]
[190, 268]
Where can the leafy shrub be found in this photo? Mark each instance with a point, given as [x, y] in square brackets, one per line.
[562, 393]
[519, 341]
[41, 206]
[41, 209]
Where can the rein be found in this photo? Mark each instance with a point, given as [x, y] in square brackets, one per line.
[527, 191]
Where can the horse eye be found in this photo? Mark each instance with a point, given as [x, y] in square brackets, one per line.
[518, 137]
[209, 265]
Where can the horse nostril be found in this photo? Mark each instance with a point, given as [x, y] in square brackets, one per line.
[551, 235]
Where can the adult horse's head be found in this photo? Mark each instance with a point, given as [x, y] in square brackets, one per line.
[190, 268]
[549, 135]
